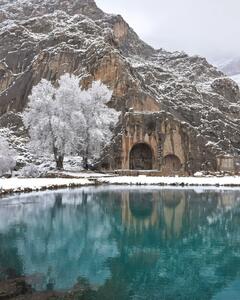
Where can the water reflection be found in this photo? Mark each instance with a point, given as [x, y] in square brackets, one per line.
[129, 244]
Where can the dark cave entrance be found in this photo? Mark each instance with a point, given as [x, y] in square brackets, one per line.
[141, 157]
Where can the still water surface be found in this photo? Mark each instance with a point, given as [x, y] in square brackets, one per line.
[133, 243]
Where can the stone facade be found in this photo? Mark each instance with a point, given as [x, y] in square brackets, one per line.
[226, 163]
[157, 141]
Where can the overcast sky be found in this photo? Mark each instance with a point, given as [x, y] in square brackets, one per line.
[210, 28]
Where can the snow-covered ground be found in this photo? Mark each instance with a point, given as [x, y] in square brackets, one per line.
[13, 185]
[81, 174]
[186, 181]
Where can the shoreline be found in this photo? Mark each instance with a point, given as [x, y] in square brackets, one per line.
[28, 185]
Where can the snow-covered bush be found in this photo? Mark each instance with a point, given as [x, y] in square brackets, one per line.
[7, 160]
[67, 120]
[198, 174]
[30, 171]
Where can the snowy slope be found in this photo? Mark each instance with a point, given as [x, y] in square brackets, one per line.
[44, 39]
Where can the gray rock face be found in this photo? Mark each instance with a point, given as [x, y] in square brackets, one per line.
[44, 39]
[227, 88]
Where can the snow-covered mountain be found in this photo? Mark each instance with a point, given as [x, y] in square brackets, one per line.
[230, 67]
[44, 39]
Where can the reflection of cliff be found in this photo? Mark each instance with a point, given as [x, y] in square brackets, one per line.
[143, 211]
[139, 210]
[129, 244]
[172, 212]
[196, 252]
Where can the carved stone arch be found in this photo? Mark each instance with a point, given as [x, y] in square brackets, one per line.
[171, 163]
[141, 157]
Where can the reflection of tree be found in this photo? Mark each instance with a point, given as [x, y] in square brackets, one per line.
[70, 233]
[10, 260]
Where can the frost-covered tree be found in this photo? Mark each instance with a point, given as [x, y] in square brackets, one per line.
[54, 118]
[66, 120]
[7, 160]
[100, 119]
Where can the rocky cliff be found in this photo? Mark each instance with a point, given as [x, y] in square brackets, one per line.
[44, 39]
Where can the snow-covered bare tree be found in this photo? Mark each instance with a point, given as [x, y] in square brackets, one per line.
[7, 160]
[67, 120]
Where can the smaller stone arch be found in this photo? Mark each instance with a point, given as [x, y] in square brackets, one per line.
[141, 157]
[171, 163]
